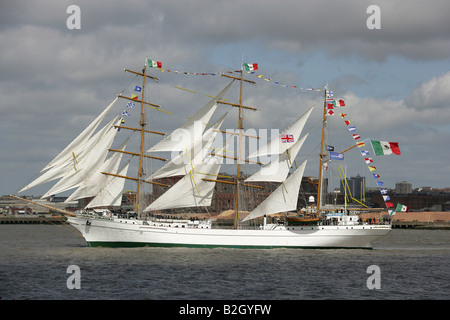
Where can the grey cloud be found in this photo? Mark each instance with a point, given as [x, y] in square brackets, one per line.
[414, 29]
[433, 94]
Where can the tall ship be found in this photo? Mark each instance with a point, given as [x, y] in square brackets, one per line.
[97, 165]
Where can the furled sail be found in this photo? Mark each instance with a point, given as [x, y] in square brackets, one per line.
[278, 169]
[284, 198]
[183, 137]
[56, 168]
[91, 158]
[288, 137]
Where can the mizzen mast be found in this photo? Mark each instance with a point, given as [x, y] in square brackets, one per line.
[322, 155]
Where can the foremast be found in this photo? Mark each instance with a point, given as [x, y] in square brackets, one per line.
[142, 129]
[141, 153]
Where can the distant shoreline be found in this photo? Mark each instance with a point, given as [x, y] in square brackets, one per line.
[414, 220]
[32, 219]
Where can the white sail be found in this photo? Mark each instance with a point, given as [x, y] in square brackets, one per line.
[79, 141]
[283, 142]
[278, 169]
[96, 180]
[190, 157]
[54, 173]
[64, 160]
[284, 198]
[183, 137]
[91, 158]
[111, 193]
[191, 190]
[70, 163]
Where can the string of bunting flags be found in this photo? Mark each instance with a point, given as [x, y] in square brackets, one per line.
[130, 105]
[281, 84]
[138, 90]
[379, 148]
[250, 68]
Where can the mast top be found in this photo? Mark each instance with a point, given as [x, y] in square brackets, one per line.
[142, 74]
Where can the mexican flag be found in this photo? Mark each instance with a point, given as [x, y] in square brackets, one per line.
[339, 103]
[251, 66]
[401, 208]
[383, 148]
[154, 64]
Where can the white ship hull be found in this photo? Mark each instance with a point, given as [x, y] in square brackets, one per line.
[134, 233]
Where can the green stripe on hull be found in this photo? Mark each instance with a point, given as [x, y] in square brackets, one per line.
[172, 245]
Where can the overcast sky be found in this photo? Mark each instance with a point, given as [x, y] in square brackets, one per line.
[395, 80]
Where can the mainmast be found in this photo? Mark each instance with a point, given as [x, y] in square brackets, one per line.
[321, 161]
[240, 128]
[238, 174]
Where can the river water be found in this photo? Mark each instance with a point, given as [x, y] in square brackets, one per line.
[34, 262]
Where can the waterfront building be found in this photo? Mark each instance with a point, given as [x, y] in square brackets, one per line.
[403, 187]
